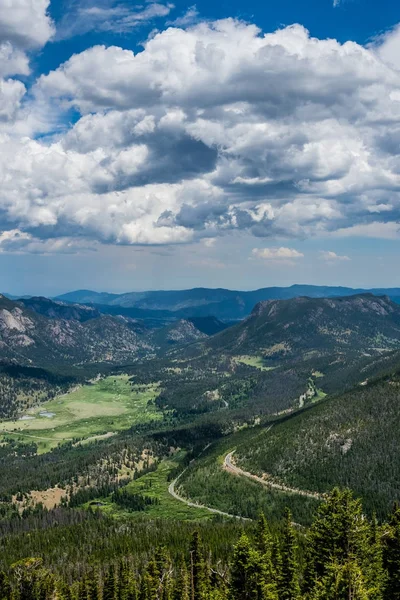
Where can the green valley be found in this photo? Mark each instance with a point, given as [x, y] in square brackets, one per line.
[102, 407]
[206, 433]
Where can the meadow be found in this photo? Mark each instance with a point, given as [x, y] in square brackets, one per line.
[103, 407]
[253, 361]
[155, 485]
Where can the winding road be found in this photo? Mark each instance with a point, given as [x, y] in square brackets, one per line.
[230, 466]
[174, 494]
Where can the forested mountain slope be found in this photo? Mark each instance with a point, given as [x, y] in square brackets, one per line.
[343, 556]
[349, 440]
[60, 310]
[304, 327]
[41, 332]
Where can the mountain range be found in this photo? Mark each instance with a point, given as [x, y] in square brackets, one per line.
[42, 332]
[275, 366]
[304, 327]
[227, 305]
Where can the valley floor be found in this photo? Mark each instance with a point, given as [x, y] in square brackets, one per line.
[91, 411]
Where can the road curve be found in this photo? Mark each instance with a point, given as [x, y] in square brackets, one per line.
[174, 494]
[230, 466]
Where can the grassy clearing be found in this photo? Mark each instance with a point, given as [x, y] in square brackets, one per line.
[106, 406]
[317, 374]
[253, 361]
[320, 395]
[155, 485]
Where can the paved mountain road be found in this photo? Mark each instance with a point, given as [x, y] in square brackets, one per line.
[230, 466]
[174, 494]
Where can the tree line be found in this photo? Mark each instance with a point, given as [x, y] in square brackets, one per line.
[343, 556]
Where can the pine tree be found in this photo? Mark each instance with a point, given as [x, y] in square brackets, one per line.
[181, 588]
[264, 545]
[5, 587]
[149, 586]
[198, 571]
[81, 593]
[64, 591]
[164, 572]
[276, 558]
[126, 583]
[92, 586]
[289, 584]
[339, 533]
[248, 574]
[373, 569]
[110, 588]
[391, 556]
[263, 536]
[342, 582]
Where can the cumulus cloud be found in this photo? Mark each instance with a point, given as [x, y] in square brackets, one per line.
[25, 23]
[330, 256]
[276, 253]
[212, 128]
[12, 60]
[11, 94]
[387, 46]
[19, 242]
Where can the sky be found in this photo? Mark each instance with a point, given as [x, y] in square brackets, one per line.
[171, 145]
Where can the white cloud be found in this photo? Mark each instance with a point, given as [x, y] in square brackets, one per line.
[11, 94]
[25, 23]
[210, 129]
[19, 242]
[276, 253]
[190, 17]
[108, 16]
[377, 230]
[330, 256]
[12, 61]
[388, 46]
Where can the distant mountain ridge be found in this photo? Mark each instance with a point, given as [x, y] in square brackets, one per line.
[303, 327]
[228, 305]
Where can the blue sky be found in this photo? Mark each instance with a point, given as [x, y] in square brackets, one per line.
[357, 20]
[171, 145]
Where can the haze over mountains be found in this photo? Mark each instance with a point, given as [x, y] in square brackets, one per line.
[221, 303]
[45, 332]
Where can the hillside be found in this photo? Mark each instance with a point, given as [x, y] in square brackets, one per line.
[351, 441]
[221, 303]
[60, 310]
[41, 332]
[302, 328]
